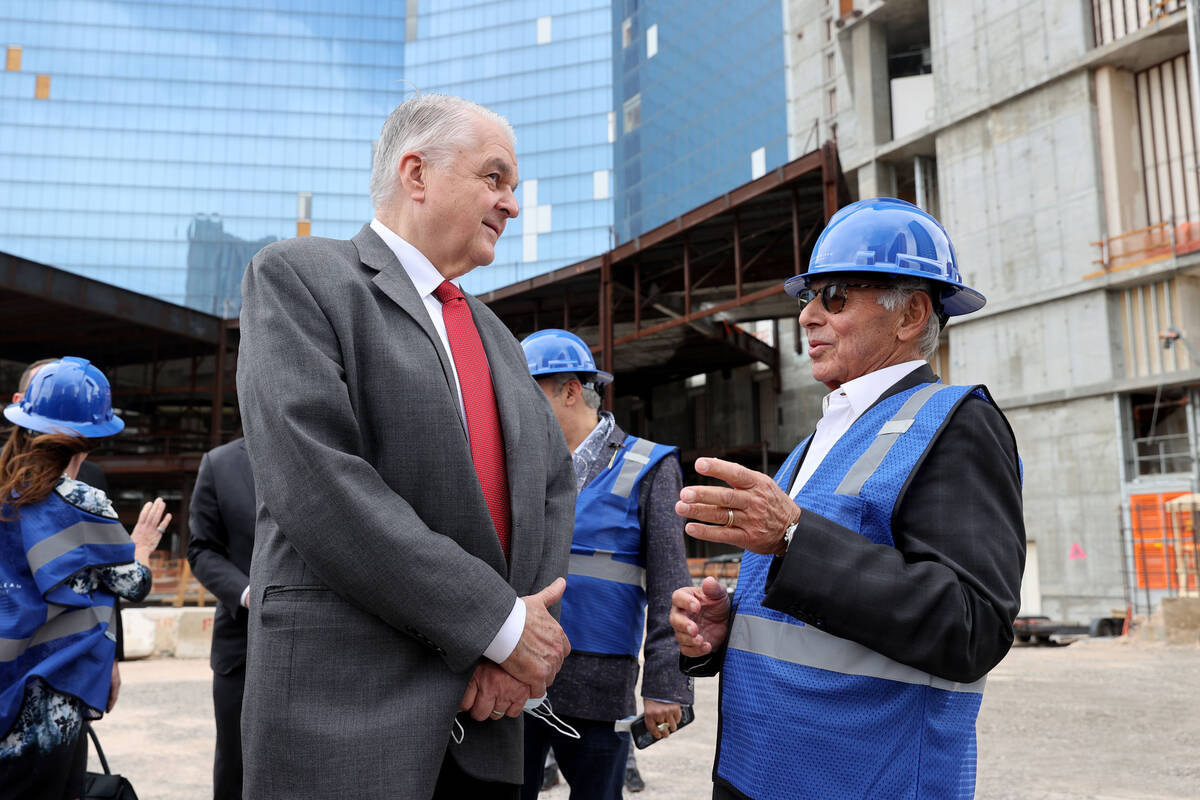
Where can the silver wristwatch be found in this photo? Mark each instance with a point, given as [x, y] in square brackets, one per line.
[787, 535]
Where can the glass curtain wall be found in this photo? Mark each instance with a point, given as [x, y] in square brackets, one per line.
[547, 67]
[157, 147]
[700, 90]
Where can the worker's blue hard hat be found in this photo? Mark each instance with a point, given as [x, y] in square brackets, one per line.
[890, 236]
[553, 350]
[67, 396]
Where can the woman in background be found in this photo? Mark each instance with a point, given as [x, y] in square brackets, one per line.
[63, 558]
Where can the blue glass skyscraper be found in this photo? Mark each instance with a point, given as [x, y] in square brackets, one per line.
[702, 98]
[157, 146]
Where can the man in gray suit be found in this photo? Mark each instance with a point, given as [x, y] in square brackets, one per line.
[415, 493]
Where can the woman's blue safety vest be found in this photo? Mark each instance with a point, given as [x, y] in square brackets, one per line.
[604, 606]
[809, 715]
[48, 630]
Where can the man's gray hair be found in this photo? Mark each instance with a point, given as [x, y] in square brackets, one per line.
[897, 294]
[590, 395]
[435, 125]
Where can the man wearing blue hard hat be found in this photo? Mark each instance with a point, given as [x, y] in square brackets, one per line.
[626, 559]
[883, 565]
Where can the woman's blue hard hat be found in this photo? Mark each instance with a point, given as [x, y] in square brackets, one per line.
[67, 396]
[893, 237]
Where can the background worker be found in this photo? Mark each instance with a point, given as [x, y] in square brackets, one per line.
[91, 474]
[883, 570]
[219, 550]
[63, 558]
[626, 557]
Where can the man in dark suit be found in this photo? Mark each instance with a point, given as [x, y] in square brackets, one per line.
[415, 492]
[219, 549]
[884, 566]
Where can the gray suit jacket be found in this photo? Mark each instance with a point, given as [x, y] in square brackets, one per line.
[377, 579]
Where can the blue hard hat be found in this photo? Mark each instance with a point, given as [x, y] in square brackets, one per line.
[893, 237]
[67, 396]
[554, 350]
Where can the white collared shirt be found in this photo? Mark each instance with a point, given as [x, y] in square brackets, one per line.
[840, 408]
[426, 279]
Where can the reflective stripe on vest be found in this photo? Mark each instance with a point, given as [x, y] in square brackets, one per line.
[811, 647]
[48, 630]
[869, 461]
[60, 624]
[603, 608]
[78, 535]
[636, 457]
[602, 565]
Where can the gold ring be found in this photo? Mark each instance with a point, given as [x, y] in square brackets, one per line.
[729, 521]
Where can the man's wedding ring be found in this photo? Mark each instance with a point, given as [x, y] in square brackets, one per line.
[728, 521]
[161, 528]
[497, 713]
[663, 726]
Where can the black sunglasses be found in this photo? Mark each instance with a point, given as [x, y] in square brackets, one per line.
[833, 295]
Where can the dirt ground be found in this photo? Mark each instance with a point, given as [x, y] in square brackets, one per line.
[1097, 720]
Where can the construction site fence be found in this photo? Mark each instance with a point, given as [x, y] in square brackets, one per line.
[1159, 544]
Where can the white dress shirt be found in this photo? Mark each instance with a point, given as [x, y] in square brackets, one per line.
[426, 279]
[840, 408]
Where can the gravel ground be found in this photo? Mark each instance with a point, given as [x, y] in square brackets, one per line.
[1098, 720]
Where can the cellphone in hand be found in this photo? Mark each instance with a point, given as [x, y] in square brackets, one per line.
[643, 738]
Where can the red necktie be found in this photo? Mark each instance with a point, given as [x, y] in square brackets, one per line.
[479, 402]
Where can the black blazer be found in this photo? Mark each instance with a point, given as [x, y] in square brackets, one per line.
[222, 539]
[93, 476]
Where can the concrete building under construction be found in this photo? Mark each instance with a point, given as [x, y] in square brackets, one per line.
[1055, 140]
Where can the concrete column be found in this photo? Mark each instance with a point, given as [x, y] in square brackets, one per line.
[870, 84]
[1120, 150]
[876, 179]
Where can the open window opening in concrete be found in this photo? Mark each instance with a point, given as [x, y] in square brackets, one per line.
[1115, 19]
[1159, 438]
[910, 69]
[1157, 321]
[916, 182]
[1151, 187]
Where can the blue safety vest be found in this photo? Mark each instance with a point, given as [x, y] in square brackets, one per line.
[809, 715]
[604, 606]
[48, 630]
